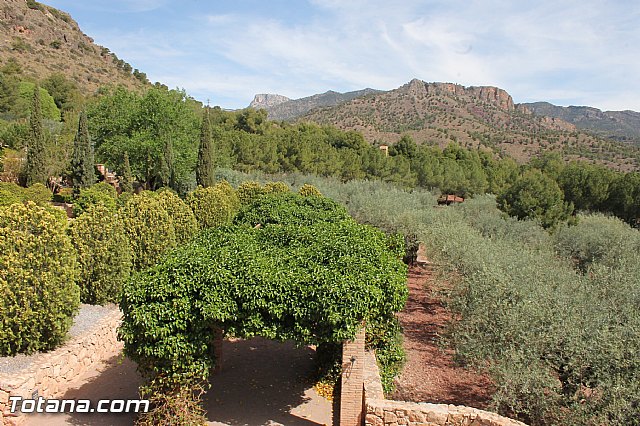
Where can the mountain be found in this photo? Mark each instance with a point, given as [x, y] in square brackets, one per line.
[486, 116]
[267, 100]
[618, 125]
[43, 40]
[282, 108]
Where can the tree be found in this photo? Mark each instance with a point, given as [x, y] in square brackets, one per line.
[405, 147]
[126, 180]
[168, 165]
[204, 169]
[82, 163]
[35, 167]
[537, 196]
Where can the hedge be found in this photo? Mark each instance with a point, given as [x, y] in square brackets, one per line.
[104, 254]
[38, 274]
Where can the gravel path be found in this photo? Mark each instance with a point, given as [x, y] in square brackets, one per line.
[87, 317]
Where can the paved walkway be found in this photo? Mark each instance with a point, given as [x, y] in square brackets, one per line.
[262, 382]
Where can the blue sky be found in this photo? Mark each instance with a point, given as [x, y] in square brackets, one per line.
[583, 52]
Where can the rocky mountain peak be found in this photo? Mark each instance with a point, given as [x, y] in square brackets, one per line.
[267, 100]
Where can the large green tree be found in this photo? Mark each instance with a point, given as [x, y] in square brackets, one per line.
[83, 162]
[537, 196]
[35, 169]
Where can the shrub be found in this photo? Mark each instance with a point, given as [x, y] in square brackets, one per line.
[597, 238]
[288, 208]
[149, 228]
[101, 193]
[276, 187]
[182, 218]
[307, 190]
[104, 254]
[213, 206]
[10, 193]
[38, 273]
[249, 190]
[38, 193]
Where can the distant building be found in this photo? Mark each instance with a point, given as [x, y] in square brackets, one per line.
[385, 149]
[449, 199]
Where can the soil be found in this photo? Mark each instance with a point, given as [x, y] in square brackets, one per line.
[430, 374]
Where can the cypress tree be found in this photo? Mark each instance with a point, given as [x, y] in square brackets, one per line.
[35, 168]
[126, 180]
[204, 169]
[82, 163]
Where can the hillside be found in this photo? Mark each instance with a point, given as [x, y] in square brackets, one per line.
[44, 40]
[618, 125]
[441, 113]
[282, 108]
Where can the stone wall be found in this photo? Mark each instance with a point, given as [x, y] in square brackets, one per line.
[384, 412]
[51, 374]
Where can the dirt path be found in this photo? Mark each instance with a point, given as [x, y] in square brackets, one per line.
[430, 374]
[262, 382]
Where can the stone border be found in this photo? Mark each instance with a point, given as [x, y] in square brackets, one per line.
[53, 373]
[383, 412]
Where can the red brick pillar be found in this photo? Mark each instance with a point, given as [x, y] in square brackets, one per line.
[352, 391]
[216, 347]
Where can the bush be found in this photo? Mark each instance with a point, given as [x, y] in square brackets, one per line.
[104, 254]
[10, 193]
[182, 218]
[215, 205]
[250, 190]
[288, 208]
[307, 190]
[38, 274]
[276, 187]
[101, 193]
[597, 238]
[149, 228]
[38, 193]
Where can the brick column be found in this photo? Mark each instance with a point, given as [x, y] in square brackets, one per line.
[352, 390]
[216, 347]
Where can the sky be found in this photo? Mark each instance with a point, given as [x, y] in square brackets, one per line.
[583, 52]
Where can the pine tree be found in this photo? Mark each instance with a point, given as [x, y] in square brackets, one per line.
[126, 180]
[35, 168]
[82, 163]
[204, 169]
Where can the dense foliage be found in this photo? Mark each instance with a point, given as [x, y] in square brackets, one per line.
[313, 284]
[104, 254]
[558, 334]
[149, 229]
[11, 193]
[99, 194]
[181, 216]
[535, 195]
[213, 205]
[37, 304]
[83, 162]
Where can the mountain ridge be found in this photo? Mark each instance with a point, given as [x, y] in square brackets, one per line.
[474, 116]
[43, 40]
[290, 109]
